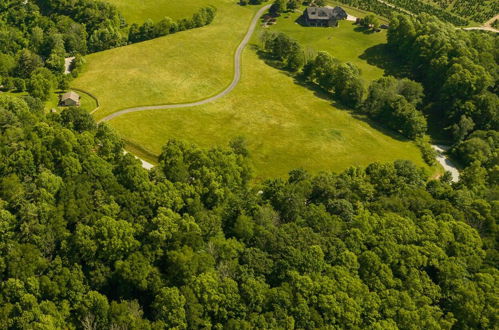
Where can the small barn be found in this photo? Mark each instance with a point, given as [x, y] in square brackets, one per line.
[70, 99]
[323, 16]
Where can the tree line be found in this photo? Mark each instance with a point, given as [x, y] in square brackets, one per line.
[395, 103]
[91, 240]
[459, 71]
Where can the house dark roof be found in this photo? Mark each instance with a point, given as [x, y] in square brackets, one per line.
[325, 13]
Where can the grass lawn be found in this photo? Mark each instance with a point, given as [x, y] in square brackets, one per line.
[182, 67]
[286, 126]
[137, 11]
[347, 43]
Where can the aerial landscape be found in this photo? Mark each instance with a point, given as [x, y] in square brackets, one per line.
[249, 164]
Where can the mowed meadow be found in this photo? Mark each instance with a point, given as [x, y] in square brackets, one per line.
[137, 11]
[178, 68]
[286, 125]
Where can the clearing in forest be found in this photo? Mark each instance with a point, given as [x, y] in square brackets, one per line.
[286, 125]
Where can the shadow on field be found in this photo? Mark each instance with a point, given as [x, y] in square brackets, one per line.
[363, 29]
[383, 58]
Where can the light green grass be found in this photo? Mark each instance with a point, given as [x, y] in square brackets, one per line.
[138, 11]
[346, 42]
[286, 125]
[178, 68]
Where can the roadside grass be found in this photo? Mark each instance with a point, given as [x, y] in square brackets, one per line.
[181, 67]
[138, 11]
[348, 42]
[286, 125]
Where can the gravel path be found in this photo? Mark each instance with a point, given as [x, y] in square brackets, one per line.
[67, 64]
[446, 163]
[487, 26]
[233, 84]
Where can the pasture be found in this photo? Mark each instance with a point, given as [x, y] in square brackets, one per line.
[138, 11]
[286, 126]
[178, 68]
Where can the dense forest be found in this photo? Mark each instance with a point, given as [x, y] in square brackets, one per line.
[460, 74]
[91, 240]
[36, 36]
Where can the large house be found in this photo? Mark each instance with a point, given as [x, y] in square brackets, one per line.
[323, 16]
[70, 99]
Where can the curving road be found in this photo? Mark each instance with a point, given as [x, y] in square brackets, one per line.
[233, 84]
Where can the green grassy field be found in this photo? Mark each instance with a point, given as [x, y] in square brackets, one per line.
[347, 42]
[182, 67]
[286, 126]
[137, 11]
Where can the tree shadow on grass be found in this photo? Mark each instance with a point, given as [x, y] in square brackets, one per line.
[382, 57]
[363, 29]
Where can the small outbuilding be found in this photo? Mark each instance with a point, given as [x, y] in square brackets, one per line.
[70, 99]
[323, 16]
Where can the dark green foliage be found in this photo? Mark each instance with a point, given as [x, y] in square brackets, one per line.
[457, 68]
[392, 102]
[370, 21]
[284, 49]
[151, 30]
[89, 239]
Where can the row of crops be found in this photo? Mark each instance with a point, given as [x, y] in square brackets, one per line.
[476, 10]
[381, 7]
[418, 7]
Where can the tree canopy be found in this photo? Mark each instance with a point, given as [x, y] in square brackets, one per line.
[90, 239]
